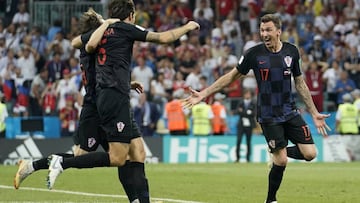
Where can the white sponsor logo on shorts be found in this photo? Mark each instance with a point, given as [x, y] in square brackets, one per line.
[120, 126]
[91, 142]
[272, 144]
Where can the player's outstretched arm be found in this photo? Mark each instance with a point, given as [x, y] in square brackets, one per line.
[171, 35]
[218, 85]
[319, 119]
[98, 34]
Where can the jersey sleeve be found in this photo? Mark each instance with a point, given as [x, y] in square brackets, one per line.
[297, 63]
[244, 65]
[138, 33]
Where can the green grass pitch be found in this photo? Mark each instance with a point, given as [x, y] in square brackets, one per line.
[185, 183]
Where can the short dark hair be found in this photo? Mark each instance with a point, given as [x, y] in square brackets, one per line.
[272, 18]
[88, 21]
[121, 9]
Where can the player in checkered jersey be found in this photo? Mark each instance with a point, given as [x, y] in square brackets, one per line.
[89, 134]
[274, 63]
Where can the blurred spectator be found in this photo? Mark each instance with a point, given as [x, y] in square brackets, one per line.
[166, 66]
[74, 27]
[223, 8]
[27, 62]
[285, 17]
[202, 116]
[3, 115]
[247, 113]
[187, 64]
[230, 24]
[352, 66]
[146, 115]
[38, 86]
[68, 117]
[352, 39]
[176, 115]
[142, 73]
[179, 82]
[316, 50]
[205, 24]
[49, 100]
[183, 11]
[343, 85]
[219, 126]
[346, 117]
[290, 35]
[206, 9]
[142, 15]
[325, 21]
[12, 38]
[228, 60]
[22, 102]
[233, 92]
[158, 92]
[252, 41]
[75, 72]
[254, 13]
[38, 41]
[53, 30]
[9, 59]
[313, 79]
[64, 45]
[303, 17]
[183, 48]
[10, 8]
[330, 77]
[2, 46]
[356, 98]
[351, 14]
[64, 88]
[10, 92]
[55, 67]
[21, 19]
[193, 79]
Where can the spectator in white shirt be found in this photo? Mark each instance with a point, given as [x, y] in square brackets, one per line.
[27, 62]
[22, 18]
[142, 73]
[65, 87]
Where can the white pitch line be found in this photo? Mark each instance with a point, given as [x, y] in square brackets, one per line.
[93, 194]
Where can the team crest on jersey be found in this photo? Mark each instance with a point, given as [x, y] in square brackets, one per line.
[91, 142]
[120, 126]
[272, 144]
[288, 60]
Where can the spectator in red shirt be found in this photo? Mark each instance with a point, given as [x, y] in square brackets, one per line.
[68, 117]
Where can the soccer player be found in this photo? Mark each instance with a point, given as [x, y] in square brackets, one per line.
[113, 87]
[89, 134]
[273, 63]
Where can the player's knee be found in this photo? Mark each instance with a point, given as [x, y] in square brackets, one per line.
[116, 160]
[308, 156]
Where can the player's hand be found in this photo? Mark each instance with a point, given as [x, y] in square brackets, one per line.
[192, 25]
[193, 99]
[137, 86]
[112, 20]
[319, 121]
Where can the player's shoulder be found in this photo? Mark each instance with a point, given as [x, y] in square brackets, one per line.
[127, 26]
[290, 46]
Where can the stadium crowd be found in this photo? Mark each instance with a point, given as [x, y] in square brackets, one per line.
[40, 73]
